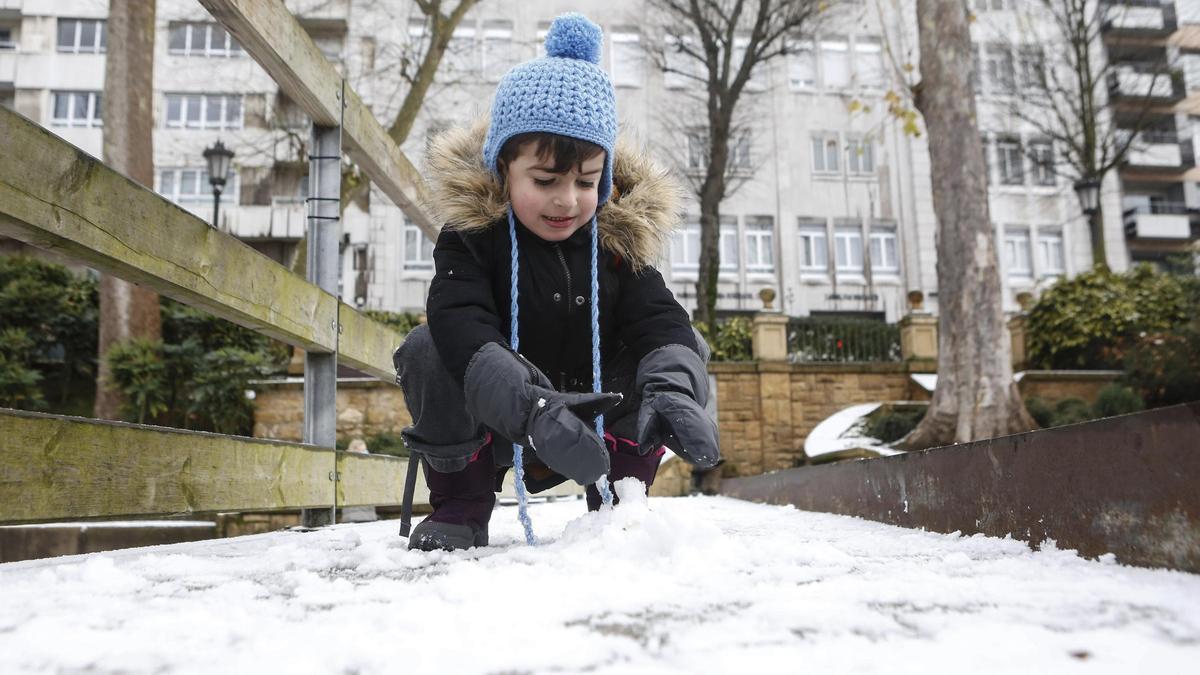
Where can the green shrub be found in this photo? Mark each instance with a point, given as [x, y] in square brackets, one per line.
[1071, 411]
[387, 443]
[1041, 411]
[401, 322]
[1116, 399]
[19, 384]
[57, 311]
[1092, 319]
[139, 372]
[216, 395]
[890, 425]
[1165, 368]
[733, 339]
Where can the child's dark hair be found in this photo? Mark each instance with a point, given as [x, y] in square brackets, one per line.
[567, 151]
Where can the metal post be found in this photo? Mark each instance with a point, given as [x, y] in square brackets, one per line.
[324, 232]
[216, 208]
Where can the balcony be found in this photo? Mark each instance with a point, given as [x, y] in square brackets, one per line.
[1139, 18]
[8, 67]
[283, 219]
[1146, 82]
[1158, 151]
[11, 9]
[1160, 220]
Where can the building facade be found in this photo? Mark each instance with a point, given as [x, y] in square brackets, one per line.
[832, 208]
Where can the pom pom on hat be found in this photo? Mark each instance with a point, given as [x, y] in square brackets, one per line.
[573, 36]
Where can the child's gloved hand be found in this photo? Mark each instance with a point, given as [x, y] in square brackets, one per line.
[674, 386]
[510, 395]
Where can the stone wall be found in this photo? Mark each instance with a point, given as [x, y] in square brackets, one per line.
[765, 410]
[365, 408]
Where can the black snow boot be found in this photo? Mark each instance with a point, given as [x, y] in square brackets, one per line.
[626, 462]
[462, 506]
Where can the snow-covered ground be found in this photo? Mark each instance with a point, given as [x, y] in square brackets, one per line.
[688, 585]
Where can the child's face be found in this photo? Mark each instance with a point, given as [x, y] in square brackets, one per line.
[552, 205]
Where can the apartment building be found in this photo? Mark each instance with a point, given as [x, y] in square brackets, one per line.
[833, 207]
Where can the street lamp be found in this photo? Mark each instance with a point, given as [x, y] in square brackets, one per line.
[219, 158]
[1088, 191]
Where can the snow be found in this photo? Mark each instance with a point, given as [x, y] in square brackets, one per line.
[683, 585]
[831, 434]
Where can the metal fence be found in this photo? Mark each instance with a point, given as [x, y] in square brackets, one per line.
[842, 340]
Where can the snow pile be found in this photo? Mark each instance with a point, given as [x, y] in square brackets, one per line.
[699, 585]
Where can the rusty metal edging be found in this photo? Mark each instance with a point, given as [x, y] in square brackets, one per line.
[1129, 485]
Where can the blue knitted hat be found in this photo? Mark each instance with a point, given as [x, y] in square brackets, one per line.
[564, 92]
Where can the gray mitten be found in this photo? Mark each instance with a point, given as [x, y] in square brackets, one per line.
[509, 394]
[674, 386]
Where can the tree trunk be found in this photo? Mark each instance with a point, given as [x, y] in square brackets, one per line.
[126, 310]
[1096, 226]
[975, 396]
[712, 192]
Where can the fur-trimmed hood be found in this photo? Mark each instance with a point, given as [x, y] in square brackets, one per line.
[636, 222]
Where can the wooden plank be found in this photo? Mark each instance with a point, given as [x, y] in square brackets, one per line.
[58, 468]
[273, 36]
[56, 197]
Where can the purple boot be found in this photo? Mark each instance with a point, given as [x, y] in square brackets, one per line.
[625, 462]
[462, 506]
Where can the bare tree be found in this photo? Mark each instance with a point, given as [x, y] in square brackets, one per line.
[718, 44]
[126, 310]
[975, 395]
[1065, 78]
[416, 62]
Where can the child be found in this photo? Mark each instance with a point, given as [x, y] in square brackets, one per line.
[531, 198]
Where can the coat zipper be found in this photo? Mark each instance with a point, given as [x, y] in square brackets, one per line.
[566, 270]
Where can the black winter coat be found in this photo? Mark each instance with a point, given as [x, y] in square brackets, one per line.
[469, 303]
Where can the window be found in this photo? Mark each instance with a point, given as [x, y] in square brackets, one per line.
[1033, 68]
[729, 244]
[82, 36]
[976, 72]
[201, 39]
[359, 261]
[992, 5]
[461, 54]
[76, 109]
[884, 256]
[685, 247]
[755, 81]
[760, 244]
[697, 148]
[802, 64]
[204, 111]
[1016, 252]
[835, 63]
[1042, 154]
[739, 151]
[191, 187]
[868, 62]
[1050, 252]
[1000, 69]
[543, 28]
[1008, 156]
[860, 156]
[6, 38]
[987, 158]
[814, 245]
[626, 58]
[498, 54]
[847, 246]
[826, 154]
[418, 249]
[682, 68]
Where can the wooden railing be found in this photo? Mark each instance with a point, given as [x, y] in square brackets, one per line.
[55, 197]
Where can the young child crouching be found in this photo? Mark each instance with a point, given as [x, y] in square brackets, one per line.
[588, 329]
